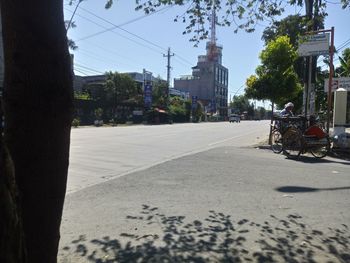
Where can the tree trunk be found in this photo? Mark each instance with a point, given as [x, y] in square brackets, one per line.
[12, 248]
[38, 103]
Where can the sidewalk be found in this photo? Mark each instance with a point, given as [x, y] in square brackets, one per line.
[227, 204]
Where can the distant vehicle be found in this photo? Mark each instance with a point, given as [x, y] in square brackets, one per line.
[234, 118]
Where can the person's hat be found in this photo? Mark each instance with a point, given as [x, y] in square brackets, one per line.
[289, 104]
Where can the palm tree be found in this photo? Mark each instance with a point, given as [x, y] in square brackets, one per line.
[344, 69]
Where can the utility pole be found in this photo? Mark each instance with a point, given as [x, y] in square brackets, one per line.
[308, 64]
[169, 55]
[312, 9]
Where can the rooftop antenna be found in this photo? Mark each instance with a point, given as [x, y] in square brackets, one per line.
[211, 45]
[213, 25]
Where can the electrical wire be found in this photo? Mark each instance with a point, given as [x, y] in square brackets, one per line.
[120, 28]
[88, 68]
[345, 44]
[81, 72]
[110, 30]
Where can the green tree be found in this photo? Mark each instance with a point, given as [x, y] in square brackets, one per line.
[261, 112]
[241, 104]
[292, 26]
[179, 109]
[344, 69]
[118, 89]
[275, 78]
[198, 113]
[159, 93]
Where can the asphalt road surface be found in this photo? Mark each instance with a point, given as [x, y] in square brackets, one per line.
[100, 154]
[201, 193]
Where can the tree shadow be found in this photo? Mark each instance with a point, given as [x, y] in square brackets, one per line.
[303, 189]
[218, 238]
[312, 159]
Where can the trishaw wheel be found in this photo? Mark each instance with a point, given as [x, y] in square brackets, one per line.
[292, 143]
[321, 151]
[276, 141]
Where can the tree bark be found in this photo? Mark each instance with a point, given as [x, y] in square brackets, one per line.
[38, 103]
[12, 249]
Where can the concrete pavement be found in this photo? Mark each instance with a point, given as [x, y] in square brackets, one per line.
[225, 204]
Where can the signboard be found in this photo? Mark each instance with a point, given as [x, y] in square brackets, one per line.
[194, 102]
[148, 95]
[337, 84]
[314, 45]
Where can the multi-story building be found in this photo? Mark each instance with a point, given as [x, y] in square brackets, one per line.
[209, 82]
[209, 79]
[96, 82]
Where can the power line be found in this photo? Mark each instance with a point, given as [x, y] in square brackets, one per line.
[181, 62]
[185, 60]
[111, 52]
[109, 30]
[120, 28]
[88, 68]
[238, 89]
[80, 72]
[101, 58]
[345, 44]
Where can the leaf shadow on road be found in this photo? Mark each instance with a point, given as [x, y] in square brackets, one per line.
[218, 238]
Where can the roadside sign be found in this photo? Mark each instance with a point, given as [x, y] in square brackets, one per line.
[337, 83]
[314, 45]
[148, 95]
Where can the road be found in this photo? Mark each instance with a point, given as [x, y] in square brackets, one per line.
[201, 193]
[100, 154]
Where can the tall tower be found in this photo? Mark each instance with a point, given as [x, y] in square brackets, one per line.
[209, 79]
[214, 52]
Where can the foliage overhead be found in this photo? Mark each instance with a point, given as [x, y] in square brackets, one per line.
[292, 26]
[241, 14]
